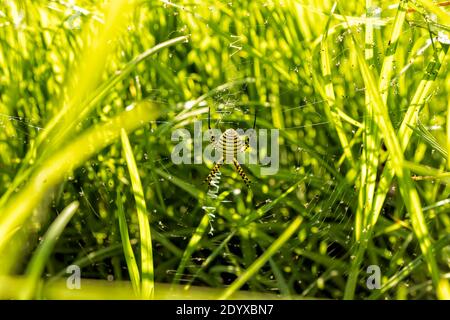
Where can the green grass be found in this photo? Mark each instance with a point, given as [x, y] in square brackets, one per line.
[127, 248]
[44, 250]
[262, 260]
[147, 268]
[358, 90]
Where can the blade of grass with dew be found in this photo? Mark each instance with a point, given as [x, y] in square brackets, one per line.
[147, 268]
[388, 60]
[40, 256]
[166, 242]
[261, 261]
[407, 189]
[133, 269]
[53, 170]
[370, 138]
[331, 107]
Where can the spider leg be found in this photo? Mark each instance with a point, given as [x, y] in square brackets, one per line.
[213, 172]
[241, 172]
[246, 145]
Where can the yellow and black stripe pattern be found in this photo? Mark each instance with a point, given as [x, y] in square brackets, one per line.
[241, 172]
[213, 172]
[229, 144]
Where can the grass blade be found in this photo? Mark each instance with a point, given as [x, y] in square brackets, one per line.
[147, 273]
[331, 109]
[371, 137]
[43, 252]
[133, 269]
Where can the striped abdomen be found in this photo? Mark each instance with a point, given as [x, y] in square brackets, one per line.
[230, 144]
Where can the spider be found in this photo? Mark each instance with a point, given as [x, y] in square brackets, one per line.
[231, 144]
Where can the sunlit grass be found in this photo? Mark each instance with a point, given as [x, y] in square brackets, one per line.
[147, 276]
[91, 96]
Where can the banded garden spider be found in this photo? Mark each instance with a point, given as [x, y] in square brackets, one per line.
[231, 144]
